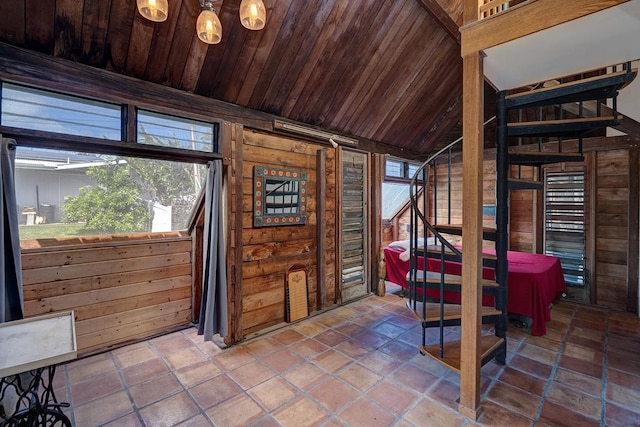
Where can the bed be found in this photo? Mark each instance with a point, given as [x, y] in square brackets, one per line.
[534, 281]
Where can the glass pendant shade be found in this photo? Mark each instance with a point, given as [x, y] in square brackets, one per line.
[208, 27]
[253, 14]
[153, 10]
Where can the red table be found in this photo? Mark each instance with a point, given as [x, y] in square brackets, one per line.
[533, 282]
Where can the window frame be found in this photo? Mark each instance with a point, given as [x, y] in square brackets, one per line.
[127, 146]
[405, 178]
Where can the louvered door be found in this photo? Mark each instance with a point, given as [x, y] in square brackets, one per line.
[565, 223]
[354, 215]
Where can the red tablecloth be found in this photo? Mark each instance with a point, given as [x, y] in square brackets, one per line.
[533, 282]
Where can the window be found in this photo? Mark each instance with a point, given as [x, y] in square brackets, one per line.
[65, 194]
[396, 169]
[77, 191]
[394, 195]
[395, 188]
[169, 131]
[34, 109]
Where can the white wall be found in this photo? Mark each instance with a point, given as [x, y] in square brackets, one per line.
[47, 187]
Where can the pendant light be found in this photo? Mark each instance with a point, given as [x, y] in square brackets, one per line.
[153, 10]
[208, 26]
[253, 14]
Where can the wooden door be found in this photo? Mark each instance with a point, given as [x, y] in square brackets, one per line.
[354, 238]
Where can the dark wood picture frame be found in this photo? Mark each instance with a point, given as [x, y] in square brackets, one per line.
[279, 197]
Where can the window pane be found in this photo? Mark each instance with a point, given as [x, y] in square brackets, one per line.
[40, 110]
[394, 196]
[413, 168]
[394, 168]
[66, 194]
[171, 131]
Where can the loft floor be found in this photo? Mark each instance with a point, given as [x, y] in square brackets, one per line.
[359, 365]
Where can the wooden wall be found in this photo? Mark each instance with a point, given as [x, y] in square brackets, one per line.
[126, 288]
[389, 228]
[611, 228]
[441, 210]
[121, 289]
[611, 201]
[257, 258]
[268, 252]
[523, 213]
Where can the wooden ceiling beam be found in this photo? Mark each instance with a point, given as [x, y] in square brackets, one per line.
[442, 17]
[526, 18]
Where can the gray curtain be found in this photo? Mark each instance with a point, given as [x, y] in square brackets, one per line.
[213, 311]
[11, 300]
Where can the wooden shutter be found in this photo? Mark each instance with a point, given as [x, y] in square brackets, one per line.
[354, 225]
[565, 223]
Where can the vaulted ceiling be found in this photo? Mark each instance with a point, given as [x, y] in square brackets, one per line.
[384, 70]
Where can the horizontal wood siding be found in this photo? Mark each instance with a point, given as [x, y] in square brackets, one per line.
[121, 289]
[268, 252]
[523, 212]
[442, 210]
[611, 228]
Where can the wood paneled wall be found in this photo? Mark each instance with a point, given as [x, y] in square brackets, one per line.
[523, 213]
[121, 289]
[268, 252]
[445, 213]
[612, 191]
[611, 228]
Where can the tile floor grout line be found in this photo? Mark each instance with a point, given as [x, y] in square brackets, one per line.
[397, 357]
[362, 394]
[118, 370]
[400, 416]
[554, 369]
[161, 356]
[502, 368]
[201, 410]
[335, 377]
[134, 406]
[301, 392]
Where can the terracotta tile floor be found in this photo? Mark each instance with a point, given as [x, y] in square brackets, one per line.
[358, 365]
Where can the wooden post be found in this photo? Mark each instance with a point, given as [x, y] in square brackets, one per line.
[376, 174]
[321, 215]
[236, 311]
[472, 159]
[197, 264]
[339, 247]
[591, 248]
[634, 245]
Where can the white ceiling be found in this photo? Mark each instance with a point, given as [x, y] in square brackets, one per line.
[594, 41]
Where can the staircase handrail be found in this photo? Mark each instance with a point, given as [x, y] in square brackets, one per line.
[424, 167]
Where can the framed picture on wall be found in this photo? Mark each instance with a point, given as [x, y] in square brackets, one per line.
[279, 197]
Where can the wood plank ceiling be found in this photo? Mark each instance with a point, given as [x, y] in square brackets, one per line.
[384, 70]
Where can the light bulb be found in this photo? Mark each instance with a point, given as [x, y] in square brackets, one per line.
[208, 27]
[153, 10]
[253, 14]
